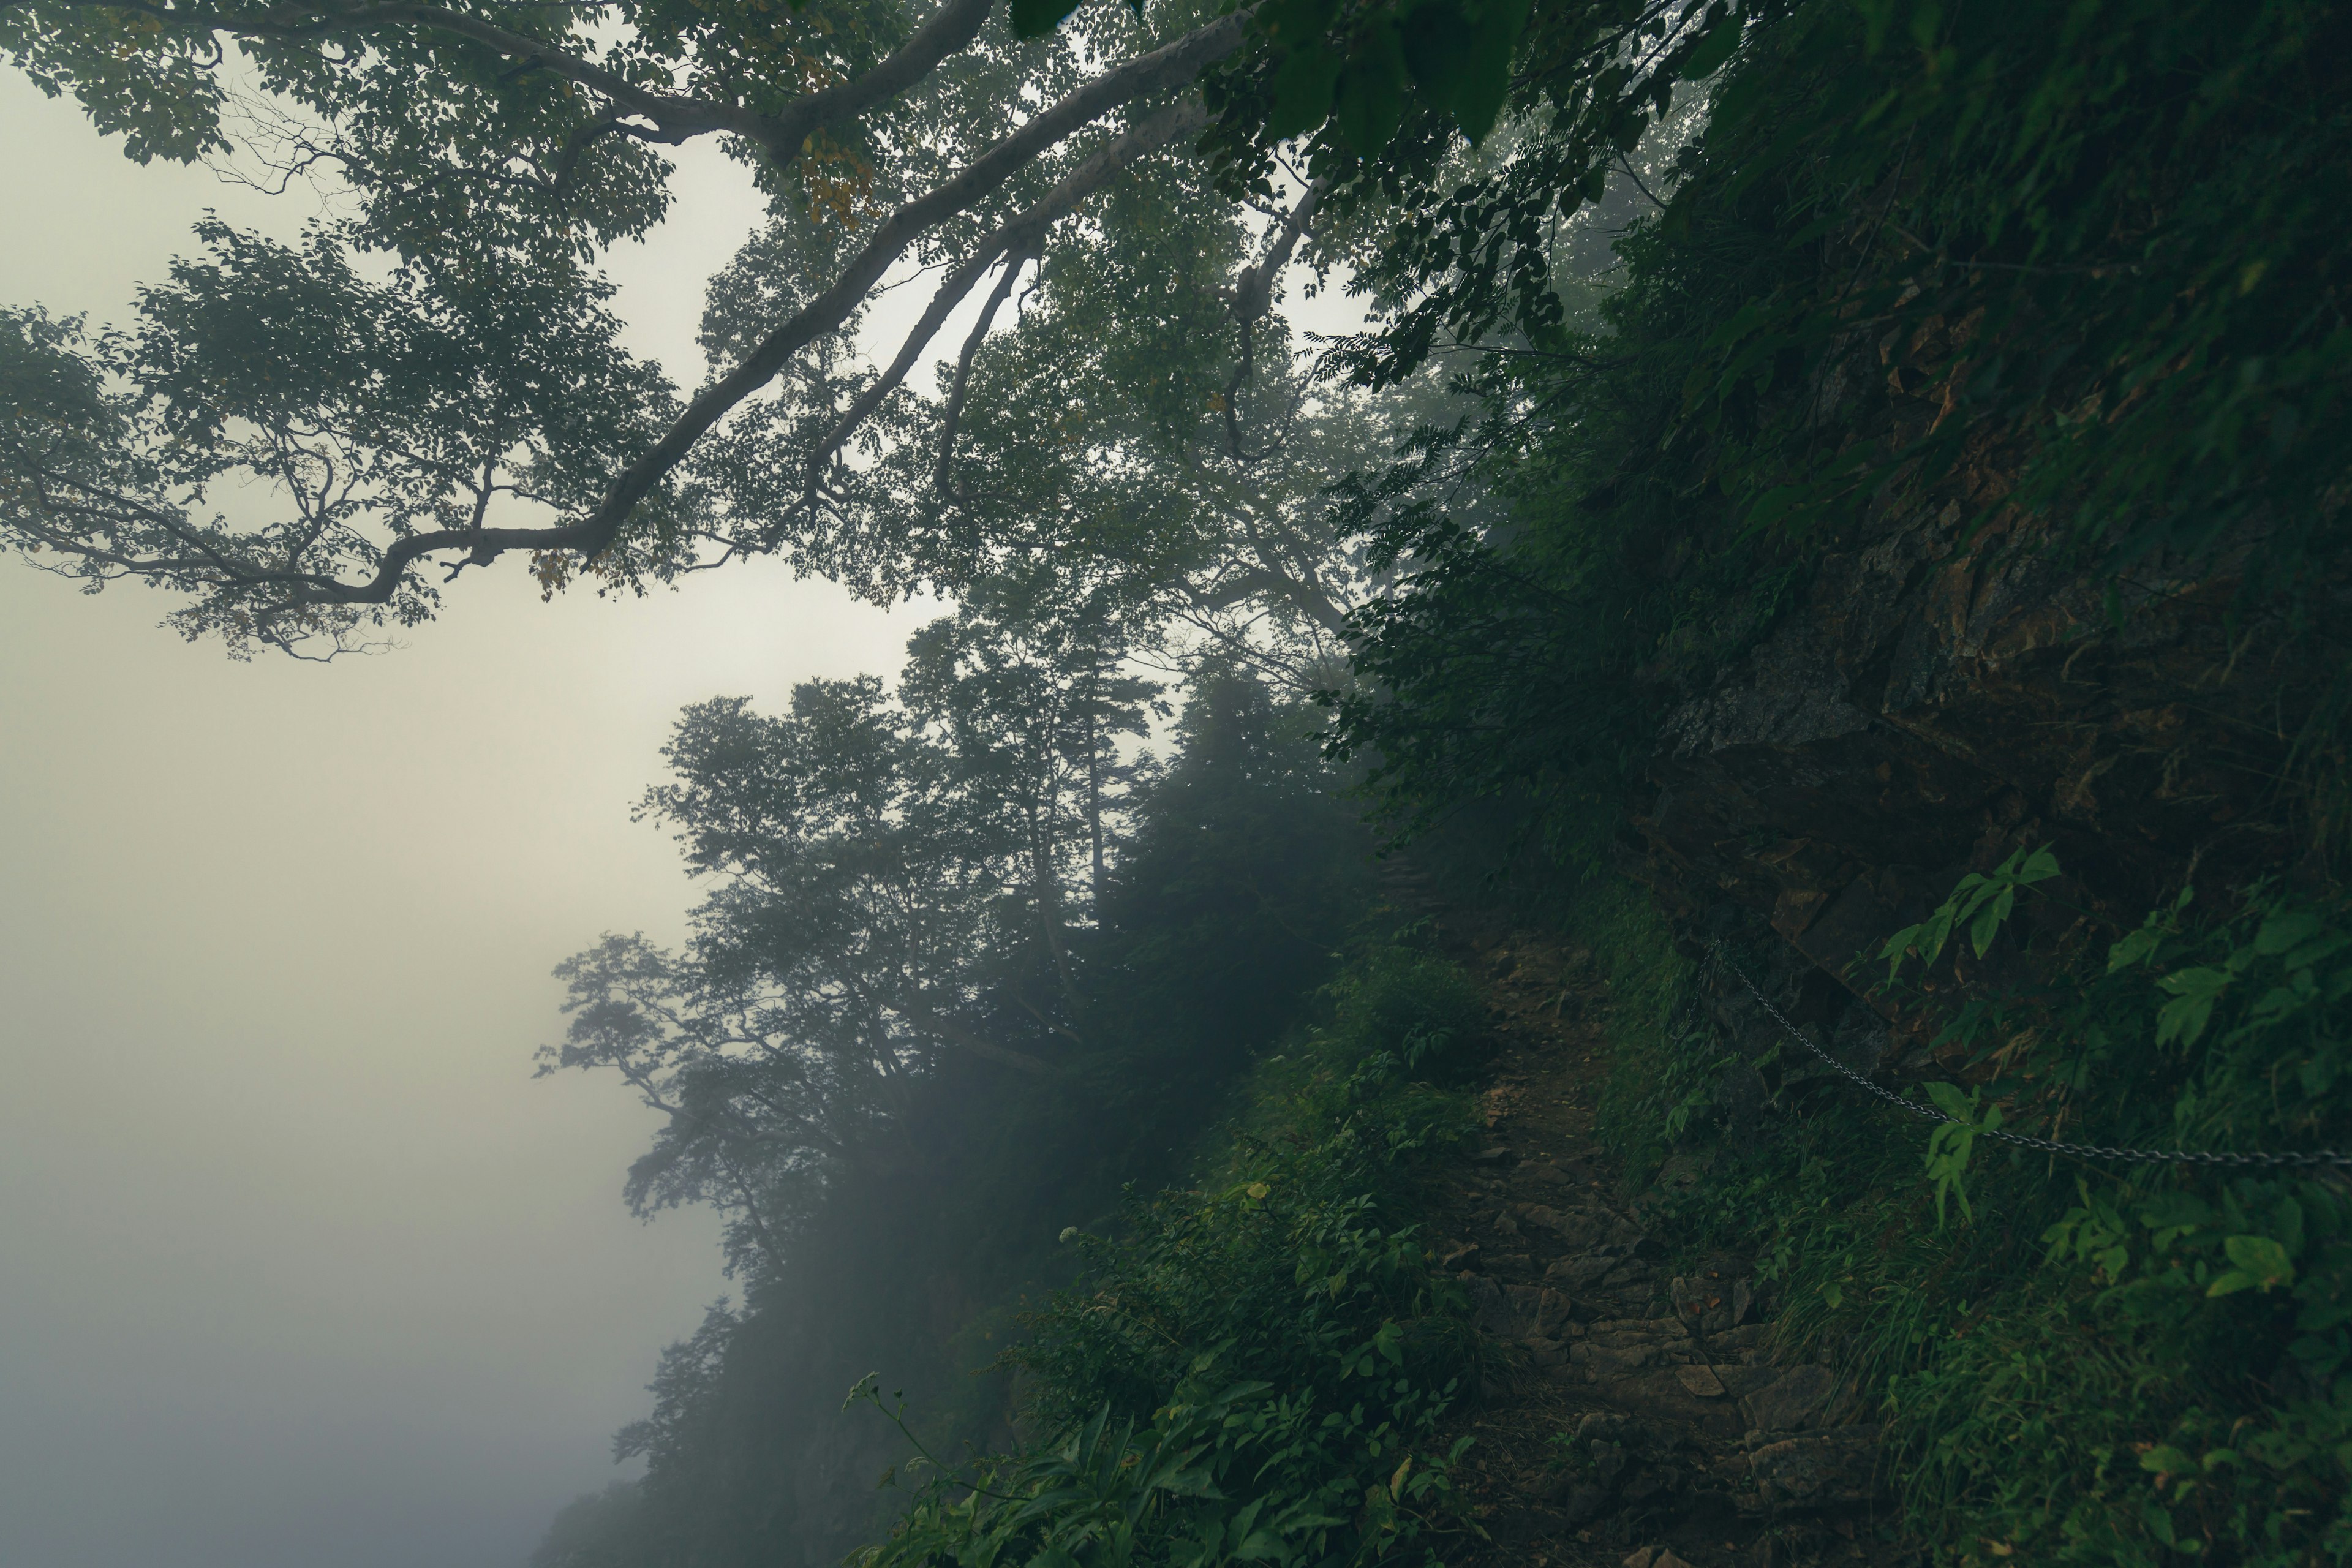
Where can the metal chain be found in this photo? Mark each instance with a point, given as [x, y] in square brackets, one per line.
[2045, 1145]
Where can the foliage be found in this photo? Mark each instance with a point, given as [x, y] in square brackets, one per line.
[1252, 1371]
[892, 1194]
[508, 147]
[601, 1529]
[1980, 902]
[372, 411]
[2069, 278]
[2084, 1365]
[1415, 1003]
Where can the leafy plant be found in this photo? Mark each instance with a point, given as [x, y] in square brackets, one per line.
[1980, 902]
[1254, 1370]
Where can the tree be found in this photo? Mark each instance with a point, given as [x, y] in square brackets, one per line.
[1234, 873]
[600, 1529]
[495, 149]
[490, 151]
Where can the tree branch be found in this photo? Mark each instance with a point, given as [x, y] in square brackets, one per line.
[590, 535]
[1252, 298]
[1019, 234]
[1163, 68]
[980, 1046]
[951, 412]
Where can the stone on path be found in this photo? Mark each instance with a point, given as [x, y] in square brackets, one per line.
[1786, 1403]
[1701, 1382]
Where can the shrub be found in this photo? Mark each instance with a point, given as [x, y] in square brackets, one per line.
[1255, 1369]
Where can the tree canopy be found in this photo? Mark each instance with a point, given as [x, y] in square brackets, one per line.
[433, 380]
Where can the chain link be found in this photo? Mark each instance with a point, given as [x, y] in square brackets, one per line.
[2045, 1145]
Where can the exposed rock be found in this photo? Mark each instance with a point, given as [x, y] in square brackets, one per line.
[1580, 1273]
[1575, 1227]
[1583, 1501]
[1515, 1312]
[1940, 699]
[1743, 1382]
[1792, 1400]
[1820, 1469]
[1700, 1383]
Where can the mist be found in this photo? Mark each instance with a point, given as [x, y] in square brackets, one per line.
[303, 1267]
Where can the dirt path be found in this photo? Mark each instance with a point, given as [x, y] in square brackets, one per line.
[1632, 1410]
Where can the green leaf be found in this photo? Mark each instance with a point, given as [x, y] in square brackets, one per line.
[1036, 19]
[1302, 90]
[1707, 55]
[1987, 925]
[2135, 946]
[2283, 931]
[2194, 992]
[1951, 1101]
[1438, 40]
[2264, 1260]
[1369, 100]
[1478, 101]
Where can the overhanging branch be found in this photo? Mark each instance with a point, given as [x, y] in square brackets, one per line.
[1018, 235]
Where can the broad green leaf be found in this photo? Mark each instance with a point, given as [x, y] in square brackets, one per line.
[1369, 100]
[1986, 924]
[2283, 931]
[1712, 50]
[1302, 90]
[1437, 38]
[2286, 1224]
[1036, 19]
[1950, 1101]
[1478, 101]
[2194, 992]
[2261, 1263]
[2135, 946]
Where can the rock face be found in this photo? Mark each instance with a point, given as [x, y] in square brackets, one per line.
[1936, 702]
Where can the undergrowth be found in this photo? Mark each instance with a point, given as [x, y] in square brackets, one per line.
[1253, 1368]
[2077, 1363]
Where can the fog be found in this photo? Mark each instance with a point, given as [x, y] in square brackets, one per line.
[301, 1266]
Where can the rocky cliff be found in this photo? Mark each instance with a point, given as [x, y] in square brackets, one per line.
[1945, 695]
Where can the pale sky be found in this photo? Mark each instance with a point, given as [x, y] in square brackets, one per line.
[298, 1267]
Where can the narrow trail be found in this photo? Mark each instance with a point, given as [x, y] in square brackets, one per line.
[1633, 1410]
